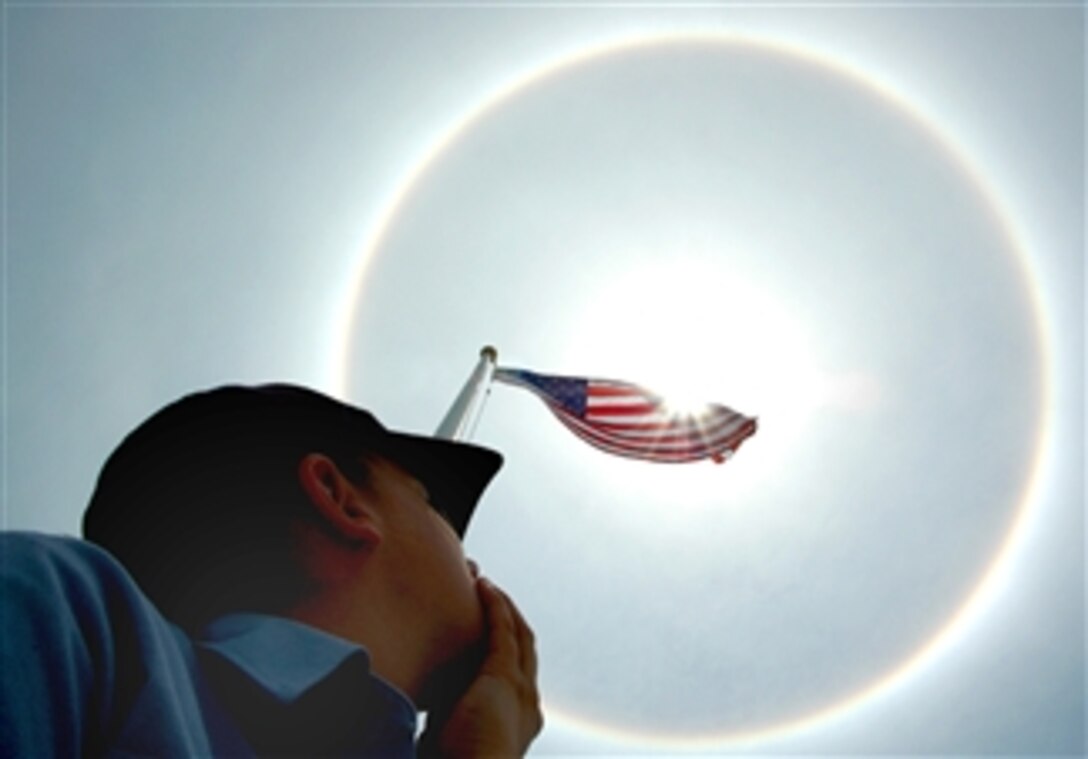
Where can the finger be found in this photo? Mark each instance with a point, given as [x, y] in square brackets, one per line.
[527, 649]
[502, 644]
[527, 659]
[526, 641]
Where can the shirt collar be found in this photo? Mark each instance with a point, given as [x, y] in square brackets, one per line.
[295, 690]
[284, 657]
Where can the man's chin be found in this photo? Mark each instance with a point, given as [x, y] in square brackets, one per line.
[450, 680]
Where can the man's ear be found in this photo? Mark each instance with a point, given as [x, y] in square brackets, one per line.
[340, 504]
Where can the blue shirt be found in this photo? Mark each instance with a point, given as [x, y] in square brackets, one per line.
[88, 666]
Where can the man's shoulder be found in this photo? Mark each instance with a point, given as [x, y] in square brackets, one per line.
[90, 665]
[47, 571]
[39, 553]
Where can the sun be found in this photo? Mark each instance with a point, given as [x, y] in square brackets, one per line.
[696, 332]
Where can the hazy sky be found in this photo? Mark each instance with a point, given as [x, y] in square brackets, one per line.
[864, 225]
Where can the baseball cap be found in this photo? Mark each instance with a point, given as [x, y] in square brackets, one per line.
[200, 440]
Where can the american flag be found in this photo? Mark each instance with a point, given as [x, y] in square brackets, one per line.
[627, 420]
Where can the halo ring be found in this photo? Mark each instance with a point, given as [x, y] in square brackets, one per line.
[996, 572]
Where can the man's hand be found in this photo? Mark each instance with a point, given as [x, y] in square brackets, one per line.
[499, 714]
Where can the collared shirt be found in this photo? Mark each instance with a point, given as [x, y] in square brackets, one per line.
[89, 667]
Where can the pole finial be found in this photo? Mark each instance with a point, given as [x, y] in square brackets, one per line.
[489, 352]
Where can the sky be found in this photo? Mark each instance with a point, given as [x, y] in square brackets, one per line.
[862, 223]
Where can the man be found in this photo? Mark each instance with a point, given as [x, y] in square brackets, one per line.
[267, 571]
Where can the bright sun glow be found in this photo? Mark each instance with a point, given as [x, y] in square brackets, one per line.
[697, 333]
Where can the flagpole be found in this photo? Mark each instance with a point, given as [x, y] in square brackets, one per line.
[458, 422]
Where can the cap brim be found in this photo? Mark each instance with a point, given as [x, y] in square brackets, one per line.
[454, 473]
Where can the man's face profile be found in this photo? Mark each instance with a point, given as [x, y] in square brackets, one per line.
[435, 581]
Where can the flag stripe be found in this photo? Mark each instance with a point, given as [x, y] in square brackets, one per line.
[604, 389]
[642, 409]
